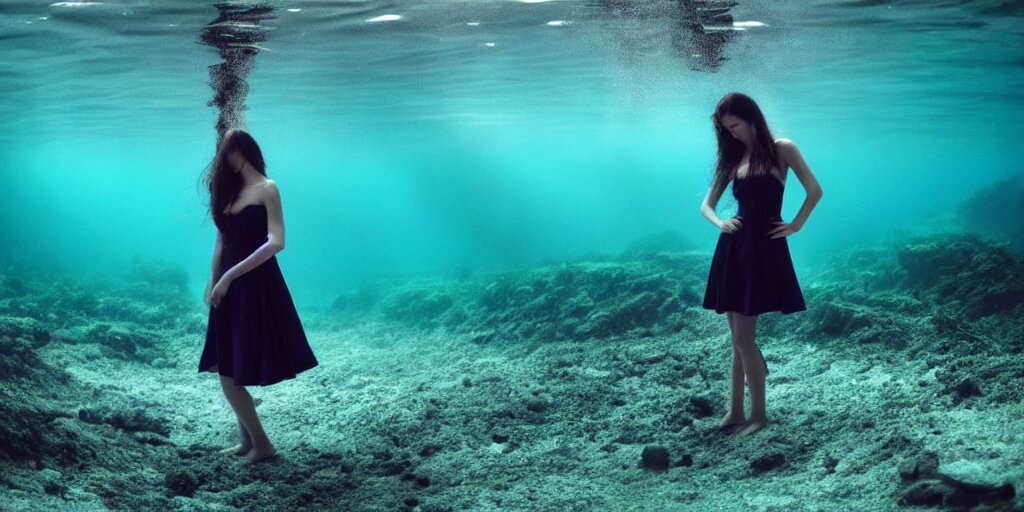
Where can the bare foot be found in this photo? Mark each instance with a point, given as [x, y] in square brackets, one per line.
[262, 453]
[238, 449]
[753, 426]
[730, 422]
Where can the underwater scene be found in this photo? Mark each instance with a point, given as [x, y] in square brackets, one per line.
[512, 255]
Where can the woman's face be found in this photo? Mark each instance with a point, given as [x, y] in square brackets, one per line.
[236, 160]
[740, 129]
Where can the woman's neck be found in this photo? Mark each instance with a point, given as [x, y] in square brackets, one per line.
[250, 176]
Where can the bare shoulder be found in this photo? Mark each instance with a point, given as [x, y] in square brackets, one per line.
[783, 144]
[786, 149]
[269, 190]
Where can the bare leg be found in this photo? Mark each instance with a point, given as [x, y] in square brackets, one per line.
[744, 328]
[735, 413]
[245, 409]
[244, 445]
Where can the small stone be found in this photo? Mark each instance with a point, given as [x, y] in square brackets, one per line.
[967, 388]
[654, 458]
[536, 405]
[768, 462]
[181, 483]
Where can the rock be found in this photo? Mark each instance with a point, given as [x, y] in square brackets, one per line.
[838, 320]
[967, 388]
[537, 405]
[654, 458]
[130, 345]
[962, 271]
[18, 360]
[137, 420]
[181, 483]
[923, 466]
[416, 306]
[699, 407]
[929, 493]
[829, 464]
[767, 462]
[961, 484]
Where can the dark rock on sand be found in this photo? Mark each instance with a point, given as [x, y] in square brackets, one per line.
[137, 420]
[654, 458]
[767, 462]
[925, 483]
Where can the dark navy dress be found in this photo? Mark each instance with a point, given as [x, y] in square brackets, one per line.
[254, 334]
[751, 273]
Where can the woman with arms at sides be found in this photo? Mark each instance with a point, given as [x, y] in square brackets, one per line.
[254, 336]
[751, 270]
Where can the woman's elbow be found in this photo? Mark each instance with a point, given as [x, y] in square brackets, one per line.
[274, 244]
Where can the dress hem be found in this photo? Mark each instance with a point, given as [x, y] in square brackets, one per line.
[753, 313]
[268, 383]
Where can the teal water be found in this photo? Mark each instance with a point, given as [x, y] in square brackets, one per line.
[479, 134]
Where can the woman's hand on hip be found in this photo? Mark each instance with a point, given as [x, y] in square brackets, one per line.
[732, 225]
[781, 229]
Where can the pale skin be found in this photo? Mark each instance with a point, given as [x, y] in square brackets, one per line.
[746, 360]
[256, 189]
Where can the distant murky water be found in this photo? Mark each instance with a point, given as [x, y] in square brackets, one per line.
[427, 136]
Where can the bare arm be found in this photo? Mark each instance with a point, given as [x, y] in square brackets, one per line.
[707, 207]
[218, 248]
[275, 235]
[215, 268]
[803, 173]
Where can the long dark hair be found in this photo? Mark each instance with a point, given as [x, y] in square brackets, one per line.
[224, 184]
[763, 154]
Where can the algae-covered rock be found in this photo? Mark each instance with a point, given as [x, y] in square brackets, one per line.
[976, 277]
[649, 290]
[27, 431]
[122, 343]
[19, 338]
[960, 485]
[129, 420]
[418, 307]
